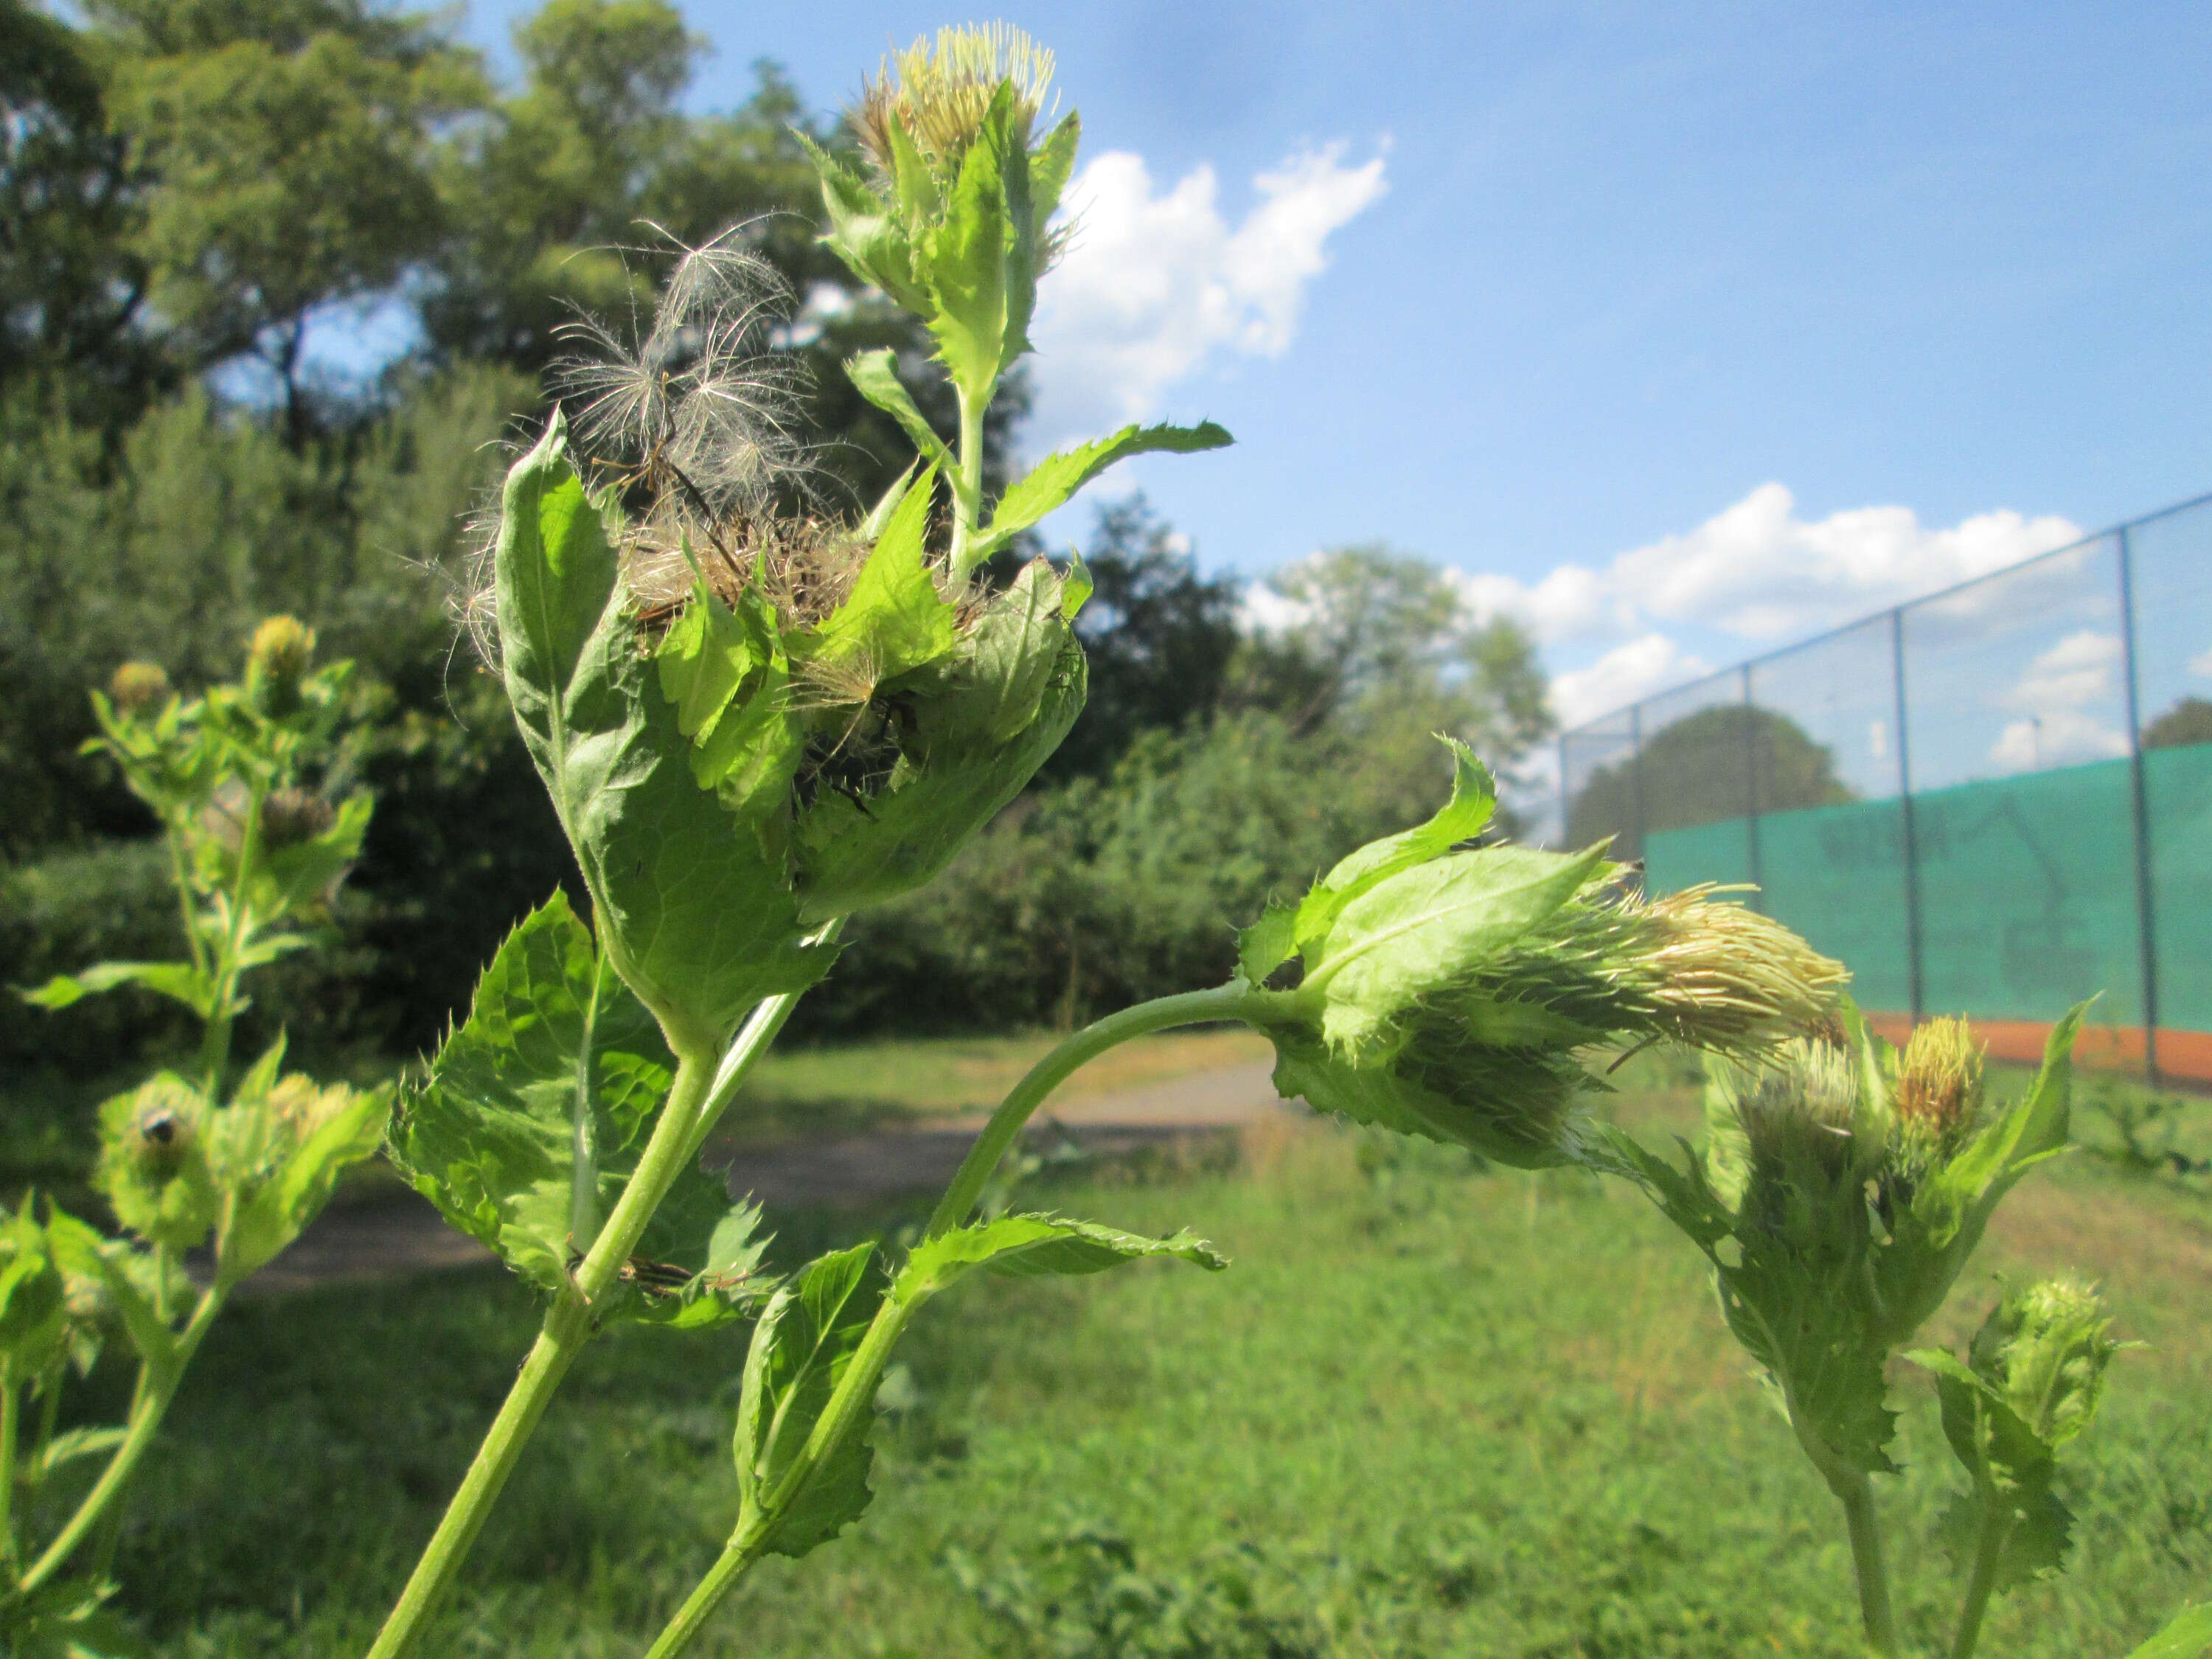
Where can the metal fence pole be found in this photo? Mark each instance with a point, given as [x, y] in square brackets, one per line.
[1913, 944]
[1563, 789]
[2145, 918]
[1635, 774]
[1751, 794]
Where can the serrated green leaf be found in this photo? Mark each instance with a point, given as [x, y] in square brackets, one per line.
[1379, 1095]
[288, 879]
[1268, 942]
[2188, 1636]
[1051, 483]
[852, 856]
[894, 621]
[72, 1446]
[265, 1219]
[32, 1300]
[864, 232]
[1037, 1245]
[1939, 1228]
[1008, 662]
[533, 1110]
[875, 375]
[695, 909]
[964, 261]
[879, 515]
[1051, 165]
[1417, 931]
[698, 1263]
[80, 1252]
[800, 1350]
[1474, 800]
[178, 981]
[725, 669]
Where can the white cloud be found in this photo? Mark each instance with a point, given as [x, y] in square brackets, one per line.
[2066, 736]
[2057, 693]
[1643, 665]
[2201, 665]
[1157, 283]
[2080, 670]
[1759, 571]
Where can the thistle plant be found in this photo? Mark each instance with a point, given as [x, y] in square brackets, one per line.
[1843, 1189]
[194, 1160]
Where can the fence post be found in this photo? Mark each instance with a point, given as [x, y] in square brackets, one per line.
[1913, 944]
[1751, 795]
[2146, 922]
[1563, 789]
[1636, 774]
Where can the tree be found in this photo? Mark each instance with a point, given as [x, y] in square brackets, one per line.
[72, 285]
[1159, 637]
[1704, 768]
[287, 149]
[2188, 722]
[1384, 644]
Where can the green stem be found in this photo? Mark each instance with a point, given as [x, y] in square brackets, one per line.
[146, 1415]
[968, 483]
[851, 1401]
[739, 1554]
[214, 1045]
[1990, 1538]
[1856, 1493]
[1234, 1001]
[567, 1326]
[751, 1042]
[11, 1420]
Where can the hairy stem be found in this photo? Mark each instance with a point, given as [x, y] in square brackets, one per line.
[1994, 1527]
[967, 484]
[739, 1554]
[156, 1390]
[1856, 1493]
[567, 1326]
[1233, 1001]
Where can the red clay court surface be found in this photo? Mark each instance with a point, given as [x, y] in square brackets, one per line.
[2182, 1056]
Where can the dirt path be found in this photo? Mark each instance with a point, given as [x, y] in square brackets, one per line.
[404, 1235]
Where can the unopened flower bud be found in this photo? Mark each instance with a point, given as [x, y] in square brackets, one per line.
[138, 687]
[1798, 1109]
[1940, 1086]
[289, 816]
[276, 661]
[164, 1132]
[1685, 968]
[2045, 1349]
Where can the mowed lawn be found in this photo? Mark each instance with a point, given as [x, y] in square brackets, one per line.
[1427, 1412]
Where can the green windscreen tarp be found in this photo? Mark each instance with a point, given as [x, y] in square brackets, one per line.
[2028, 892]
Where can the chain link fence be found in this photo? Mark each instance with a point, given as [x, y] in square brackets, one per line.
[1994, 801]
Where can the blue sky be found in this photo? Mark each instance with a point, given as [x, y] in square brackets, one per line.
[1681, 331]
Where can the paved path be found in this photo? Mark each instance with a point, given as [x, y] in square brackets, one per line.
[404, 1234]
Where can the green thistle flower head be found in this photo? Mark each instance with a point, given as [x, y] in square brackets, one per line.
[277, 659]
[2045, 1350]
[138, 687]
[1610, 964]
[153, 1168]
[289, 816]
[939, 95]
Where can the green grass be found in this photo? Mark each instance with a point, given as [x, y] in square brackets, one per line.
[848, 1087]
[1427, 1412]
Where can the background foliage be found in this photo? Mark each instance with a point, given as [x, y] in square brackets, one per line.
[192, 189]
